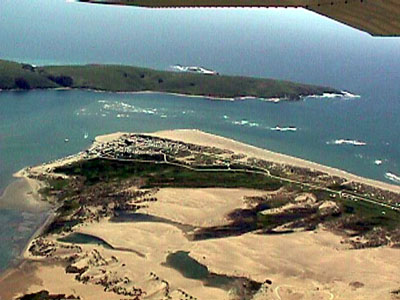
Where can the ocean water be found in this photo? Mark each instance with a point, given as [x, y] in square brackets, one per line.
[288, 44]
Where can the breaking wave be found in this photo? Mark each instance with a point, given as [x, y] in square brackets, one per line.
[246, 123]
[347, 142]
[343, 95]
[194, 69]
[124, 109]
[392, 177]
[289, 128]
[273, 100]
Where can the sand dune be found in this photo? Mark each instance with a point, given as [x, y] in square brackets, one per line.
[199, 207]
[302, 265]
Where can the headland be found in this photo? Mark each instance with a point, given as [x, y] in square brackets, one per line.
[119, 78]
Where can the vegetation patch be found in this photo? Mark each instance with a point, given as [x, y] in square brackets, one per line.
[164, 175]
[118, 78]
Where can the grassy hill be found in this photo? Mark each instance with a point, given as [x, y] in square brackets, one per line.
[22, 76]
[118, 78]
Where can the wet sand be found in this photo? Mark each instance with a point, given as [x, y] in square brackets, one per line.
[22, 194]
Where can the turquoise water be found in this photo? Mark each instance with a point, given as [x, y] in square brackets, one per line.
[288, 44]
[35, 124]
[16, 229]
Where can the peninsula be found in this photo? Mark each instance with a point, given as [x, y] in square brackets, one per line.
[119, 78]
[185, 214]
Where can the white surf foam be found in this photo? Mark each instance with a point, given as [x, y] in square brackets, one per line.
[124, 109]
[392, 177]
[242, 122]
[278, 128]
[245, 98]
[344, 96]
[246, 123]
[350, 95]
[347, 142]
[273, 100]
[194, 69]
[122, 116]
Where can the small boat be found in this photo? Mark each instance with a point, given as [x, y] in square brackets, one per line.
[66, 140]
[86, 135]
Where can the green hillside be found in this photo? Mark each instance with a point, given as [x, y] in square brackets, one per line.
[118, 78]
[22, 76]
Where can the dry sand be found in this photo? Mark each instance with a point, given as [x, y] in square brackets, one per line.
[301, 266]
[109, 137]
[304, 265]
[206, 139]
[32, 276]
[195, 136]
[199, 207]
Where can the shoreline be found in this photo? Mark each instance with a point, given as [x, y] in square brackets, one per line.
[187, 136]
[196, 136]
[29, 200]
[203, 138]
[224, 87]
[199, 96]
[22, 193]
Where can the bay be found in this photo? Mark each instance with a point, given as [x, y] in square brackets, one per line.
[286, 44]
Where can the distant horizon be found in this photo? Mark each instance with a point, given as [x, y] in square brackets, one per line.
[291, 44]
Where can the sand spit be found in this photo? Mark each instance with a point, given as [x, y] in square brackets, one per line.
[303, 265]
[207, 139]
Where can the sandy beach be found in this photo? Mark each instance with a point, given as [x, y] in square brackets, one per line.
[303, 265]
[23, 194]
[207, 139]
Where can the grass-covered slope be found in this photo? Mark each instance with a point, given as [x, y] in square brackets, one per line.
[117, 78]
[22, 76]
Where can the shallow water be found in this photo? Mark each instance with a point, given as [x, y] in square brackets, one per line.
[190, 268]
[33, 125]
[81, 238]
[16, 229]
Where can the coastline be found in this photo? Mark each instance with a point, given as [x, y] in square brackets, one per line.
[34, 202]
[23, 195]
[207, 139]
[45, 270]
[127, 78]
[206, 97]
[196, 136]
